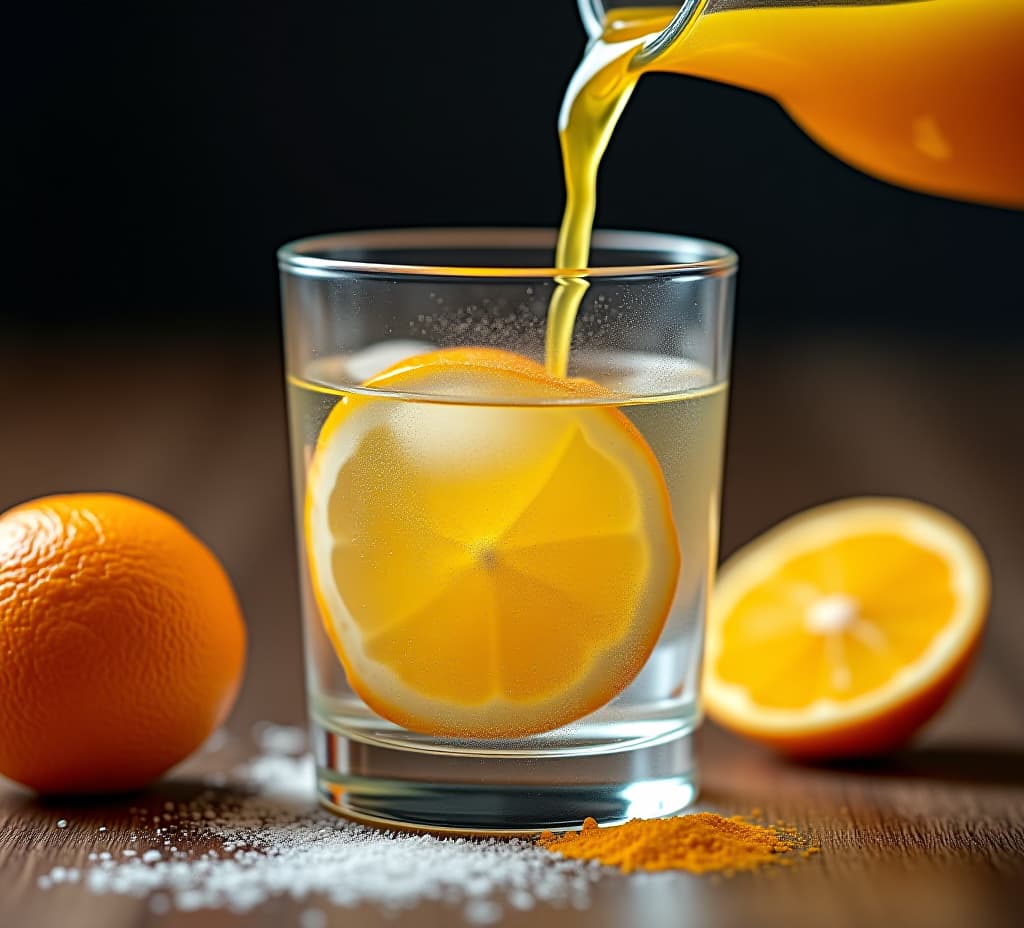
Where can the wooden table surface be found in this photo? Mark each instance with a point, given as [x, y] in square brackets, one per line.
[934, 836]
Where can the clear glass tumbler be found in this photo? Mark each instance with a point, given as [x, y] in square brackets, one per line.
[504, 574]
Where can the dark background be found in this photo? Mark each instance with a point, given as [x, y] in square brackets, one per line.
[163, 151]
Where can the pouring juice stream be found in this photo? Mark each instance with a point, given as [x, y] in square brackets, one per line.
[922, 93]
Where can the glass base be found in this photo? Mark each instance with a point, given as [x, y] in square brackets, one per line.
[390, 787]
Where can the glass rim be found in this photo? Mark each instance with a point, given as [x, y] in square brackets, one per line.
[295, 257]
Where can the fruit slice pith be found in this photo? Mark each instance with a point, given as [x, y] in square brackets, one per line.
[842, 627]
[487, 571]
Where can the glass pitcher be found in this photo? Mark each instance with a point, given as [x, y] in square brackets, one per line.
[926, 94]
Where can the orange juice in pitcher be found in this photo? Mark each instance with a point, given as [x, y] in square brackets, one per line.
[927, 94]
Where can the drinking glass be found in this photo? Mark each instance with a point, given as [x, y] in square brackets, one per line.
[645, 401]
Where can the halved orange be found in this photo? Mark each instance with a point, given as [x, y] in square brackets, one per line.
[843, 629]
[493, 567]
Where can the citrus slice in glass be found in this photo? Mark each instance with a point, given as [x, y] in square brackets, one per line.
[843, 629]
[490, 567]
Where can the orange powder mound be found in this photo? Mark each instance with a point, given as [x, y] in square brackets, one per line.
[699, 843]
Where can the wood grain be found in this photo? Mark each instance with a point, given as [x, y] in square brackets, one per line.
[934, 836]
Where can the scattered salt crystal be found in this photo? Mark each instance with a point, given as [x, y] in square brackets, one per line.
[62, 823]
[280, 739]
[280, 776]
[59, 875]
[521, 899]
[215, 742]
[482, 912]
[190, 900]
[312, 918]
[267, 839]
[103, 828]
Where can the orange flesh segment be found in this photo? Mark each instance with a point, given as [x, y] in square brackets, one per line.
[901, 607]
[465, 575]
[842, 630]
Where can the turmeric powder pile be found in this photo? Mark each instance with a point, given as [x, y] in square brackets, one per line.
[700, 843]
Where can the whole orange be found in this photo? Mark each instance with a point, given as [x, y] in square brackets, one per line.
[121, 643]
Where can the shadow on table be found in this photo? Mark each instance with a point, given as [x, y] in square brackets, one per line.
[994, 766]
[165, 802]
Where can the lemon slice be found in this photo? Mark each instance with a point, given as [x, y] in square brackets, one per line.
[845, 628]
[487, 570]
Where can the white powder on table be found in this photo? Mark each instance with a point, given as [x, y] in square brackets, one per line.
[248, 848]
